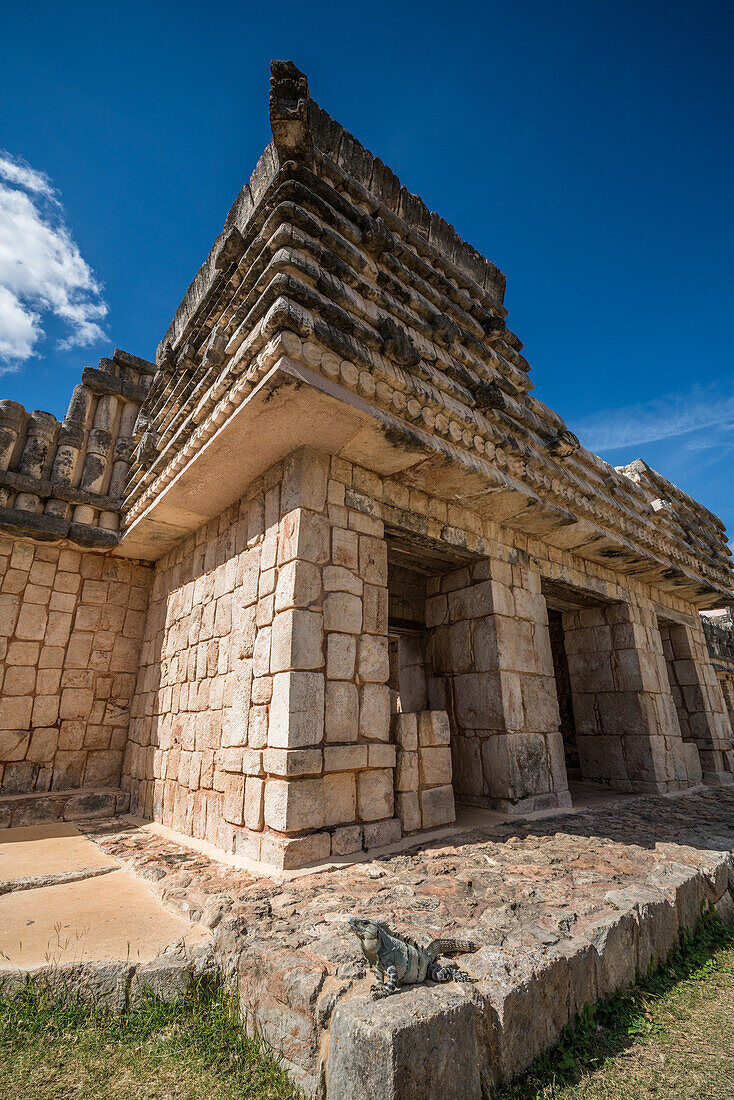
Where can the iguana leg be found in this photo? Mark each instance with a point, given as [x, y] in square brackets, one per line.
[438, 973]
[390, 985]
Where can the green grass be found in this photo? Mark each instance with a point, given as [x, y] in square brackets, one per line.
[193, 1050]
[671, 1037]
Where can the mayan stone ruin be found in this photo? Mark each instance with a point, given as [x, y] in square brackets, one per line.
[327, 571]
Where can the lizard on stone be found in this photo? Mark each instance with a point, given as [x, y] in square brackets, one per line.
[399, 960]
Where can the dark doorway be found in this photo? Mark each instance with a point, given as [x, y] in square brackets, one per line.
[563, 690]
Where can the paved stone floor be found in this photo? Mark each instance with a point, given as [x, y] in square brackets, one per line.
[527, 891]
[508, 883]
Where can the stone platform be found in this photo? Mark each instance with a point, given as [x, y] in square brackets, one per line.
[23, 810]
[75, 919]
[565, 908]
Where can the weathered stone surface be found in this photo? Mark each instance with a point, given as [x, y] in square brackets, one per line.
[420, 1043]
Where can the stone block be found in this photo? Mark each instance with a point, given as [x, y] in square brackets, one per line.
[409, 810]
[102, 768]
[339, 579]
[305, 478]
[342, 758]
[254, 803]
[298, 804]
[341, 717]
[346, 840]
[19, 680]
[343, 612]
[601, 757]
[437, 807]
[374, 712]
[372, 560]
[479, 701]
[293, 762]
[613, 939]
[375, 794]
[406, 730]
[341, 656]
[296, 717]
[516, 765]
[234, 799]
[406, 775]
[380, 834]
[303, 534]
[374, 664]
[345, 548]
[45, 710]
[382, 756]
[42, 746]
[31, 625]
[375, 609]
[290, 853]
[296, 641]
[68, 770]
[298, 585]
[433, 728]
[435, 766]
[528, 1005]
[15, 714]
[420, 1044]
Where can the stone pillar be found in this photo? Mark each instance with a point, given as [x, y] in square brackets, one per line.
[36, 451]
[493, 665]
[699, 700]
[329, 762]
[96, 459]
[12, 419]
[71, 445]
[627, 728]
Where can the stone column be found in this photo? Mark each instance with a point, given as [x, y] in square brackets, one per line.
[699, 700]
[492, 659]
[96, 459]
[627, 728]
[12, 419]
[71, 444]
[38, 446]
[329, 763]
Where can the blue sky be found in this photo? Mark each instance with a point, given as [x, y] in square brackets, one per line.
[585, 148]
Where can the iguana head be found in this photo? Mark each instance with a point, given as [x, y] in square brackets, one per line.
[368, 933]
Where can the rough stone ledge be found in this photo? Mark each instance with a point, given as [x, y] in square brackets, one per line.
[565, 909]
[453, 1043]
[117, 985]
[17, 810]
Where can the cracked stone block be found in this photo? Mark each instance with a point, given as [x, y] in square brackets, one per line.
[416, 1044]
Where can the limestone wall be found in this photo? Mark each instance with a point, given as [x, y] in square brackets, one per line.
[261, 719]
[70, 629]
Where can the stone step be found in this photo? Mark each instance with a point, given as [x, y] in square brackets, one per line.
[17, 810]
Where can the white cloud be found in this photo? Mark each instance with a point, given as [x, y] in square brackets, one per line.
[42, 272]
[703, 407]
[22, 175]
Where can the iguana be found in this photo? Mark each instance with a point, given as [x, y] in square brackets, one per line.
[399, 960]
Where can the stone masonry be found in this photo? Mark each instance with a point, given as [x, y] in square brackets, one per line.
[327, 567]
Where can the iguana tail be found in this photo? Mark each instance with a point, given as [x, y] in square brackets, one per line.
[450, 947]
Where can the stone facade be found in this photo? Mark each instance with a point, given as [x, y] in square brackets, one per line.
[70, 630]
[328, 566]
[718, 629]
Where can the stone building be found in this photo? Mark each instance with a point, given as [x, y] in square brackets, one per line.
[328, 566]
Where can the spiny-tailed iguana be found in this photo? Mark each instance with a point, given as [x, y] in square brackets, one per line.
[399, 960]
